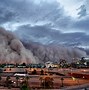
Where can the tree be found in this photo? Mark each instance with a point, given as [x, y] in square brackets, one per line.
[16, 64]
[42, 72]
[7, 78]
[8, 81]
[74, 65]
[24, 86]
[34, 72]
[17, 78]
[46, 82]
[0, 79]
[82, 61]
[27, 78]
[23, 64]
[62, 81]
[62, 63]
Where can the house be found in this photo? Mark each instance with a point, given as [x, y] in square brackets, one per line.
[50, 64]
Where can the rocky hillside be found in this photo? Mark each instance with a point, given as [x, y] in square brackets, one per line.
[12, 50]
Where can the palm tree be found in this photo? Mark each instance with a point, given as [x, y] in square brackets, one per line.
[27, 78]
[8, 81]
[62, 81]
[42, 81]
[24, 85]
[0, 79]
[7, 78]
[17, 78]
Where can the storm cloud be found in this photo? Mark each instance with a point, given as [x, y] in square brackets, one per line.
[45, 35]
[12, 50]
[47, 20]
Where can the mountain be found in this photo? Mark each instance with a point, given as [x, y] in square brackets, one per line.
[12, 50]
[54, 53]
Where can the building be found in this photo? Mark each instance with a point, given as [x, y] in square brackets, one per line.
[50, 64]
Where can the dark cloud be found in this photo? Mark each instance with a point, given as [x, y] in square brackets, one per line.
[28, 10]
[7, 12]
[82, 11]
[82, 25]
[37, 20]
[31, 12]
[47, 35]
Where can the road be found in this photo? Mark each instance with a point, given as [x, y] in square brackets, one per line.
[34, 80]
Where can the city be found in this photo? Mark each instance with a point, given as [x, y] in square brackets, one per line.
[44, 44]
[44, 76]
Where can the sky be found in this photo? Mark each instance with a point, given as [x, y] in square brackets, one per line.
[48, 21]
